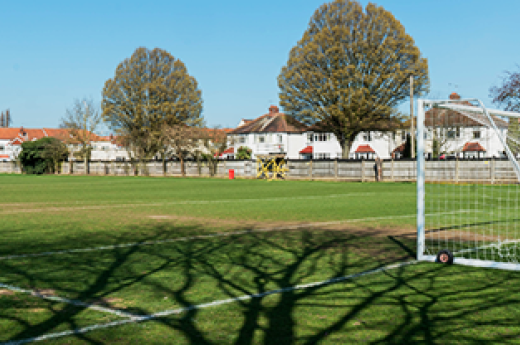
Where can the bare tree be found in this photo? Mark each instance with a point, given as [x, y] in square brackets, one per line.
[81, 120]
[214, 142]
[55, 151]
[507, 96]
[182, 140]
[5, 119]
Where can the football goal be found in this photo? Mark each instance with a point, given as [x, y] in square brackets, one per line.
[468, 191]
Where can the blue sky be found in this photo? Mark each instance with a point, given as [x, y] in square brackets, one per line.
[52, 52]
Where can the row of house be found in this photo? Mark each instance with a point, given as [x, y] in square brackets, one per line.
[279, 133]
[103, 147]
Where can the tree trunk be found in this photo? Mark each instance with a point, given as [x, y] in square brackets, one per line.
[134, 165]
[346, 142]
[70, 164]
[87, 165]
[164, 165]
[163, 158]
[183, 171]
[346, 145]
[212, 165]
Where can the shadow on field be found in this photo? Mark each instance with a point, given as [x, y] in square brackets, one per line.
[422, 303]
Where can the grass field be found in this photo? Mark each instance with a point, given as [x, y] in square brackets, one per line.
[102, 254]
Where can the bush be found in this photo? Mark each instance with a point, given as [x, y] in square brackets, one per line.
[244, 152]
[42, 156]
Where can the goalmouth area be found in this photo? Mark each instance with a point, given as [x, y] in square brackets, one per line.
[118, 260]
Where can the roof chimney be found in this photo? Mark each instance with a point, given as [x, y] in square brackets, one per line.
[454, 95]
[273, 109]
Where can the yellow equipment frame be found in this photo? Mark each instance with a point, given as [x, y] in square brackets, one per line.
[271, 167]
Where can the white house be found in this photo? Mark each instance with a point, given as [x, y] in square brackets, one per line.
[279, 133]
[103, 148]
[453, 133]
[11, 140]
[271, 133]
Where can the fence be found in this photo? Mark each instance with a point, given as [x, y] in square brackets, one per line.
[492, 171]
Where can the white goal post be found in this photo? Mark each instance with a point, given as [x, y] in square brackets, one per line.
[468, 184]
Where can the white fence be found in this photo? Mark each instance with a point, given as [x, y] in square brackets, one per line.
[493, 171]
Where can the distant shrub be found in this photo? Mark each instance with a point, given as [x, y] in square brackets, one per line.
[244, 152]
[42, 156]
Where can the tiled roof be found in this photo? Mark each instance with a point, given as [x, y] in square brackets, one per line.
[364, 149]
[4, 156]
[439, 117]
[308, 149]
[473, 147]
[399, 148]
[9, 133]
[227, 151]
[64, 134]
[12, 133]
[273, 122]
[20, 135]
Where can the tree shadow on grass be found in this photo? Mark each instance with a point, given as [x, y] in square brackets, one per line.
[421, 303]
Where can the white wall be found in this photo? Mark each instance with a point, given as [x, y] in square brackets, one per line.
[489, 140]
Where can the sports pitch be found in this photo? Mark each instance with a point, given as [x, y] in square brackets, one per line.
[119, 260]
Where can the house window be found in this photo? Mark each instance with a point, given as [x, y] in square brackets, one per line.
[367, 136]
[280, 139]
[322, 155]
[451, 133]
[476, 134]
[309, 137]
[242, 139]
[403, 135]
[321, 137]
[261, 139]
[2, 148]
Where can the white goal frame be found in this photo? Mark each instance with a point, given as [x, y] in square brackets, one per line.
[455, 104]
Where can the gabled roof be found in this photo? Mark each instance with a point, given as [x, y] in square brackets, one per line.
[17, 141]
[19, 135]
[25, 134]
[440, 117]
[364, 149]
[473, 147]
[308, 149]
[399, 148]
[64, 134]
[273, 122]
[9, 133]
[230, 150]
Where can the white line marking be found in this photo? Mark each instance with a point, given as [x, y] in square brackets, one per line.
[150, 317]
[188, 202]
[68, 301]
[198, 237]
[496, 245]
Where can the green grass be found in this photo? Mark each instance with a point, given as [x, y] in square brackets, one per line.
[420, 303]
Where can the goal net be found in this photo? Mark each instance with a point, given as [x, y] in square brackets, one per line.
[468, 176]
